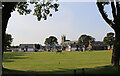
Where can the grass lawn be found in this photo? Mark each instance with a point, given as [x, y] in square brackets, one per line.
[93, 62]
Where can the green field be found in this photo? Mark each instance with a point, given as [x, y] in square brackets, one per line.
[93, 62]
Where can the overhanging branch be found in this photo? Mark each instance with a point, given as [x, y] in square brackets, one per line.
[101, 10]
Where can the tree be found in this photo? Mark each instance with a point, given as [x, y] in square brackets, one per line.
[47, 41]
[8, 40]
[84, 40]
[114, 24]
[109, 39]
[37, 46]
[52, 41]
[41, 10]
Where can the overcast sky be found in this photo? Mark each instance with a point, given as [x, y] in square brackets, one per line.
[73, 19]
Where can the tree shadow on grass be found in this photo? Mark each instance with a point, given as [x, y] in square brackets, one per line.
[98, 71]
[14, 55]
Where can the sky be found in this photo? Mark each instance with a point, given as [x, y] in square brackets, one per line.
[72, 20]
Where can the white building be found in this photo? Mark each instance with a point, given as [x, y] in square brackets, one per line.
[27, 47]
[72, 47]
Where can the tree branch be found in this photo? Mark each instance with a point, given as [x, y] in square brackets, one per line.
[113, 10]
[101, 9]
[6, 12]
[118, 8]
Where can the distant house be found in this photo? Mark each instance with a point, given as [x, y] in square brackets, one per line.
[99, 45]
[51, 48]
[43, 48]
[72, 45]
[69, 45]
[68, 48]
[71, 48]
[27, 47]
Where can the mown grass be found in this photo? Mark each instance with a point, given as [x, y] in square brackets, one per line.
[93, 62]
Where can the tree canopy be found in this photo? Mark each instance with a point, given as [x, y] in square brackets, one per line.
[42, 9]
[84, 39]
[51, 41]
[37, 46]
[8, 40]
[109, 39]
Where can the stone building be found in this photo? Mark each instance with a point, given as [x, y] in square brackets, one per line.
[75, 46]
[69, 45]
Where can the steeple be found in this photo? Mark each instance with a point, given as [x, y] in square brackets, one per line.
[63, 38]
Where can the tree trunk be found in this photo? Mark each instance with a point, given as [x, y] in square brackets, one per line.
[77, 47]
[6, 14]
[4, 26]
[110, 47]
[85, 47]
[116, 50]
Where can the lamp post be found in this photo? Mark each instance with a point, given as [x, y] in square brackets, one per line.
[0, 38]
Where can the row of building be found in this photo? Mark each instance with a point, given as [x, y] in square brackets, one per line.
[75, 46]
[66, 45]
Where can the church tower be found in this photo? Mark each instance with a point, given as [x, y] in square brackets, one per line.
[63, 37]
